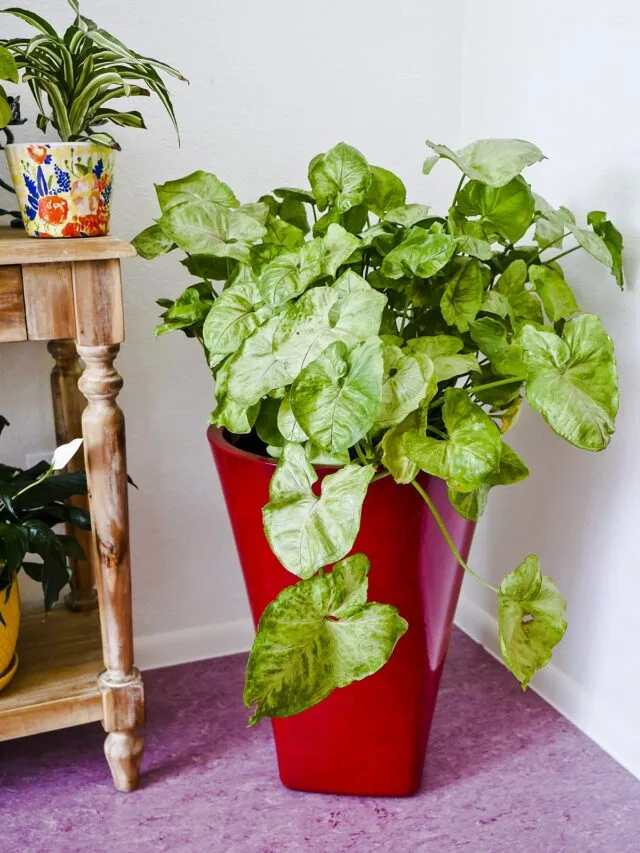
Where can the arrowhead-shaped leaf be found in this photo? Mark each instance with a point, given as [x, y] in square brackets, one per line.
[604, 228]
[386, 191]
[318, 635]
[408, 382]
[339, 178]
[394, 456]
[524, 304]
[572, 381]
[531, 619]
[495, 341]
[469, 455]
[307, 532]
[335, 398]
[444, 352]
[556, 295]
[199, 187]
[407, 214]
[511, 469]
[463, 294]
[421, 253]
[232, 318]
[505, 211]
[491, 161]
[152, 242]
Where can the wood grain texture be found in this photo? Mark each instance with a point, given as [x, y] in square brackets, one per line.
[56, 684]
[48, 301]
[17, 248]
[98, 303]
[106, 466]
[12, 321]
[68, 406]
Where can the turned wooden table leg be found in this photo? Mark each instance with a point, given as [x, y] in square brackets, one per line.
[105, 458]
[68, 405]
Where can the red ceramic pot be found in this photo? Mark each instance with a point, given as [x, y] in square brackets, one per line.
[369, 738]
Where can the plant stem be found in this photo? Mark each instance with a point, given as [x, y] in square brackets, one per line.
[380, 476]
[437, 431]
[458, 188]
[315, 215]
[562, 254]
[438, 520]
[475, 388]
[361, 456]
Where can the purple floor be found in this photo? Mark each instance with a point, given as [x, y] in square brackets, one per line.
[504, 773]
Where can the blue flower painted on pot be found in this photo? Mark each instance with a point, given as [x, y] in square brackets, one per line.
[98, 169]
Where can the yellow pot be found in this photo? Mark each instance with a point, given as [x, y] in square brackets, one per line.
[10, 610]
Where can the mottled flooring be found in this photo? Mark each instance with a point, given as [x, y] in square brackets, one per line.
[504, 773]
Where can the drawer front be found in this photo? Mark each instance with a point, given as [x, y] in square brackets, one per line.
[13, 326]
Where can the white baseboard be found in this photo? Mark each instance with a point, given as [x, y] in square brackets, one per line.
[600, 722]
[191, 644]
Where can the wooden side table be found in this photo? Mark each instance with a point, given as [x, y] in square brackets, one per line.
[68, 292]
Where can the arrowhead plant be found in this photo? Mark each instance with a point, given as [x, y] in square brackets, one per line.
[344, 325]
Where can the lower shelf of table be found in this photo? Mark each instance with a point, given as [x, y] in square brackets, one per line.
[60, 656]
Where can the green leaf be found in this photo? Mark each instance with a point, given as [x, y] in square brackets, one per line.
[511, 469]
[548, 231]
[33, 19]
[494, 341]
[232, 318]
[408, 382]
[257, 369]
[290, 274]
[316, 636]
[188, 310]
[292, 194]
[556, 295]
[8, 68]
[491, 161]
[525, 305]
[505, 211]
[197, 188]
[266, 424]
[386, 191]
[531, 619]
[572, 381]
[463, 294]
[340, 178]
[5, 109]
[407, 214]
[283, 234]
[394, 455]
[471, 452]
[152, 242]
[338, 246]
[593, 244]
[327, 314]
[421, 254]
[287, 423]
[213, 230]
[14, 543]
[444, 352]
[207, 267]
[307, 532]
[318, 456]
[604, 228]
[335, 398]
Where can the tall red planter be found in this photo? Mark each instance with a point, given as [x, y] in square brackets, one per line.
[369, 738]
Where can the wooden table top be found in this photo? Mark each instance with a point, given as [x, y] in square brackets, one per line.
[17, 248]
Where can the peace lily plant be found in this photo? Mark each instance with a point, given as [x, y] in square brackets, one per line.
[386, 340]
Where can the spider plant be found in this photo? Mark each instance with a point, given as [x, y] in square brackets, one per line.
[75, 77]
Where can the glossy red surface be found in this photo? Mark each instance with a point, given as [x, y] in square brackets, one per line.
[369, 738]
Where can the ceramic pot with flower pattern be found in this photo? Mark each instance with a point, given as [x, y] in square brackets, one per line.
[64, 188]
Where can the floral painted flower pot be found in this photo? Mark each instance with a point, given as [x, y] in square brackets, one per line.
[9, 626]
[63, 188]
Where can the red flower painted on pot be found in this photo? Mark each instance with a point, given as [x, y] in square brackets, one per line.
[38, 153]
[53, 209]
[72, 229]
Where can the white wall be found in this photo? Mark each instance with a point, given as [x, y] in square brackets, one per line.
[272, 84]
[562, 75]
